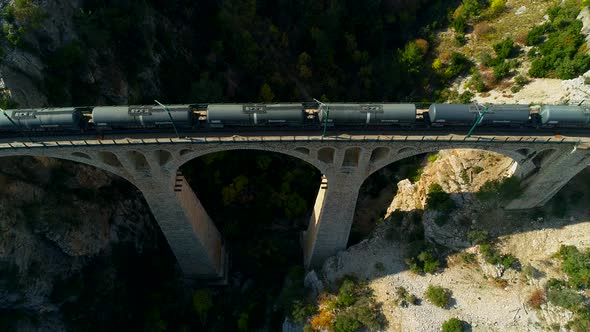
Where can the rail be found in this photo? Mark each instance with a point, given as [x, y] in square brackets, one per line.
[292, 139]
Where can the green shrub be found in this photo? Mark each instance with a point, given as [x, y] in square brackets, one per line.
[452, 325]
[565, 298]
[506, 189]
[439, 296]
[468, 258]
[505, 49]
[346, 294]
[301, 311]
[535, 35]
[433, 157]
[404, 298]
[477, 236]
[501, 70]
[576, 265]
[458, 64]
[477, 169]
[424, 262]
[345, 323]
[437, 199]
[476, 82]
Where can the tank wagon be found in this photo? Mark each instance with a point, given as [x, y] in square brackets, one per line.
[565, 116]
[467, 114]
[141, 116]
[303, 116]
[41, 119]
[232, 115]
[367, 114]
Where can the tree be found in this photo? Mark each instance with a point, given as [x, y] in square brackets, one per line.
[452, 325]
[202, 303]
[266, 94]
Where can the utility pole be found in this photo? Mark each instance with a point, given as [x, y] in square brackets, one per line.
[171, 120]
[327, 115]
[16, 126]
[479, 118]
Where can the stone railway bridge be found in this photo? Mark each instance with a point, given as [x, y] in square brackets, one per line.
[152, 165]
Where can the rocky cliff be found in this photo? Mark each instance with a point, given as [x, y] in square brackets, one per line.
[57, 220]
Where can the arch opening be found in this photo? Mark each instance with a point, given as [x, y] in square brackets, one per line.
[351, 157]
[379, 154]
[81, 155]
[303, 150]
[261, 201]
[326, 155]
[109, 158]
[138, 160]
[525, 152]
[543, 157]
[162, 156]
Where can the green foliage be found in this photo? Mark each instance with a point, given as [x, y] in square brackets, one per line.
[468, 258]
[452, 325]
[492, 256]
[22, 16]
[505, 189]
[505, 49]
[559, 55]
[346, 293]
[301, 311]
[501, 70]
[202, 302]
[565, 298]
[439, 296]
[346, 323]
[437, 199]
[433, 157]
[496, 7]
[458, 64]
[403, 298]
[576, 264]
[478, 236]
[477, 169]
[476, 82]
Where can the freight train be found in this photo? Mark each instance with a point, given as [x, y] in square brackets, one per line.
[290, 115]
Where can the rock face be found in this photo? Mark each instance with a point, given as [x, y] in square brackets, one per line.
[576, 88]
[55, 218]
[460, 173]
[584, 16]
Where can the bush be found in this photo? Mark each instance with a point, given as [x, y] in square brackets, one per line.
[346, 294]
[576, 265]
[468, 258]
[496, 7]
[565, 298]
[345, 323]
[477, 236]
[505, 49]
[452, 325]
[501, 70]
[535, 36]
[439, 296]
[404, 298]
[506, 189]
[424, 262]
[437, 199]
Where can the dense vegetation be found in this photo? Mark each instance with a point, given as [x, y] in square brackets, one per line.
[559, 46]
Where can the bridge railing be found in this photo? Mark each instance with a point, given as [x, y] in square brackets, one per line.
[302, 139]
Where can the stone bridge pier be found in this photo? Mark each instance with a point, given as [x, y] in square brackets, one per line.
[345, 164]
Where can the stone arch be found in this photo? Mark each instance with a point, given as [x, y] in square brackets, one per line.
[379, 153]
[137, 160]
[326, 155]
[412, 151]
[184, 152]
[162, 157]
[524, 152]
[406, 149]
[303, 150]
[543, 157]
[81, 155]
[109, 158]
[351, 157]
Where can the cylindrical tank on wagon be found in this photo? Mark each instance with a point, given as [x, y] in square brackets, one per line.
[565, 115]
[32, 119]
[467, 114]
[368, 114]
[509, 114]
[220, 115]
[451, 114]
[141, 116]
